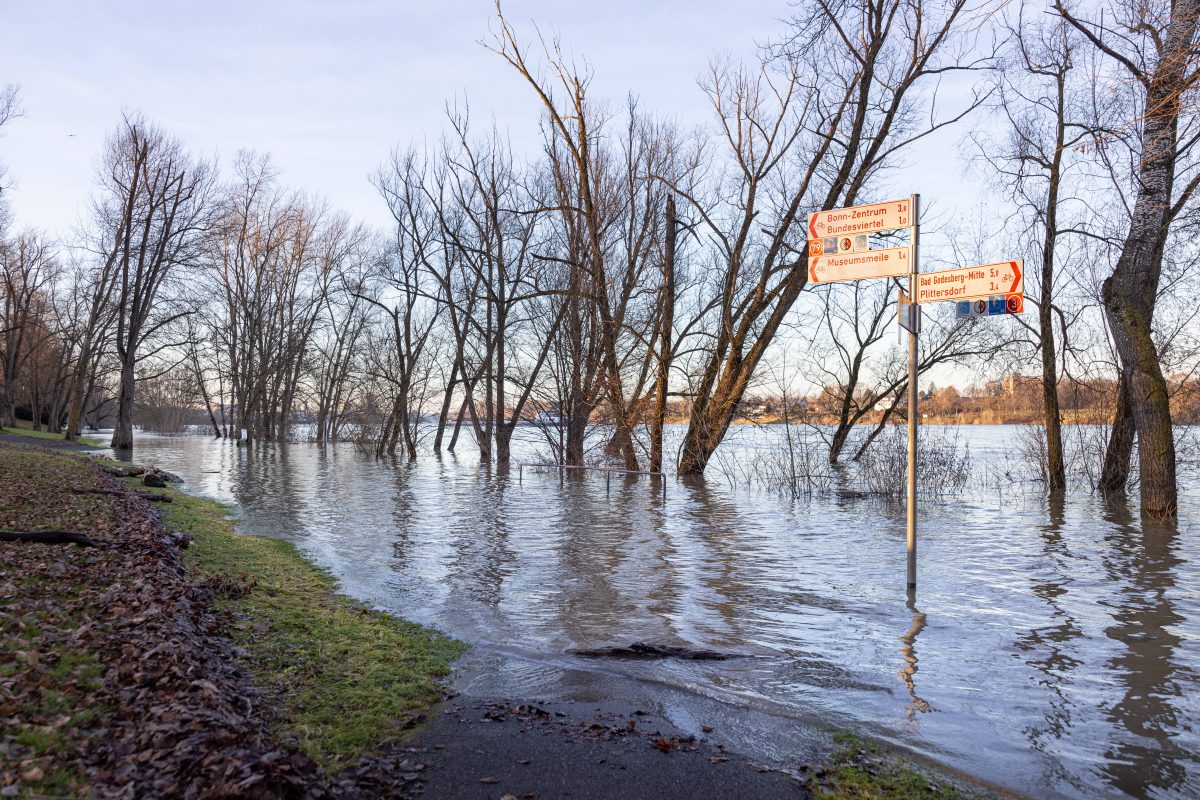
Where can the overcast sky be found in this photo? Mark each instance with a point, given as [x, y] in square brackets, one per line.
[328, 88]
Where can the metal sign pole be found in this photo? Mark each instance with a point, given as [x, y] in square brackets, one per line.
[912, 400]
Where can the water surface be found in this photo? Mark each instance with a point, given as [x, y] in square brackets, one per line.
[1052, 648]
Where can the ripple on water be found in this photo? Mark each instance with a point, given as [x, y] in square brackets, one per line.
[1055, 650]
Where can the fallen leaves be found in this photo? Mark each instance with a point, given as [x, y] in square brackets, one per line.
[113, 667]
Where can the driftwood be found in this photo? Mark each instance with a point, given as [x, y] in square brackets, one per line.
[125, 472]
[643, 650]
[151, 496]
[48, 537]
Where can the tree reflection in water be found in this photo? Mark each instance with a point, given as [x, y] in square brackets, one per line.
[1051, 647]
[1141, 561]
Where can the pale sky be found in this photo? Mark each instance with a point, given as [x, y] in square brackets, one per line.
[328, 88]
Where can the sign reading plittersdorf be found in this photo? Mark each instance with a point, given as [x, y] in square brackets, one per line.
[970, 283]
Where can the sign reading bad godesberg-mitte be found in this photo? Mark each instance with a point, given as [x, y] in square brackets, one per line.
[968, 283]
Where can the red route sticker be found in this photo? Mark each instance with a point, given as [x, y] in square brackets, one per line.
[1014, 303]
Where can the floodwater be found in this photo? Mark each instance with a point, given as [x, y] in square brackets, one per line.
[1051, 649]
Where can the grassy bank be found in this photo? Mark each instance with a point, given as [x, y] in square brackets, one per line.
[861, 770]
[26, 430]
[344, 678]
[101, 645]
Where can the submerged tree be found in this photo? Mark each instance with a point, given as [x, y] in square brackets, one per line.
[810, 127]
[1154, 46]
[1039, 99]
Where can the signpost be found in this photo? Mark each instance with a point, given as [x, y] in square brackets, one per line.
[839, 249]
[913, 354]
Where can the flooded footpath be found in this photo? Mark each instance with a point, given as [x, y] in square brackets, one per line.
[1051, 648]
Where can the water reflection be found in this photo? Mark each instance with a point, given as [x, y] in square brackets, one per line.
[1058, 642]
[909, 652]
[1145, 756]
[1050, 645]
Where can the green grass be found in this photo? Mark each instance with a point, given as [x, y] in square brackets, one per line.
[348, 678]
[25, 428]
[861, 770]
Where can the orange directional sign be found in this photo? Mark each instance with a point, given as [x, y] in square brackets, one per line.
[831, 267]
[861, 219]
[968, 283]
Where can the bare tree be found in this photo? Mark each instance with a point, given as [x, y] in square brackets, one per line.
[1038, 97]
[810, 128]
[409, 306]
[492, 223]
[9, 109]
[278, 257]
[575, 125]
[1154, 44]
[154, 212]
[337, 351]
[861, 376]
[28, 270]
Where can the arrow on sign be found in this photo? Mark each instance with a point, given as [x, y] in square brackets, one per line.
[860, 219]
[968, 283]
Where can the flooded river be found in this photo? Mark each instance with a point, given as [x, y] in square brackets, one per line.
[1051, 649]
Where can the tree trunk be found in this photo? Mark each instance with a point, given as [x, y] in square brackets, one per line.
[841, 435]
[1129, 297]
[576, 424]
[462, 410]
[659, 417]
[123, 433]
[1115, 473]
[1056, 473]
[79, 385]
[8, 417]
[1131, 292]
[444, 412]
[706, 428]
[503, 447]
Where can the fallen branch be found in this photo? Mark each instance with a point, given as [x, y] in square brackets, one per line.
[151, 496]
[48, 537]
